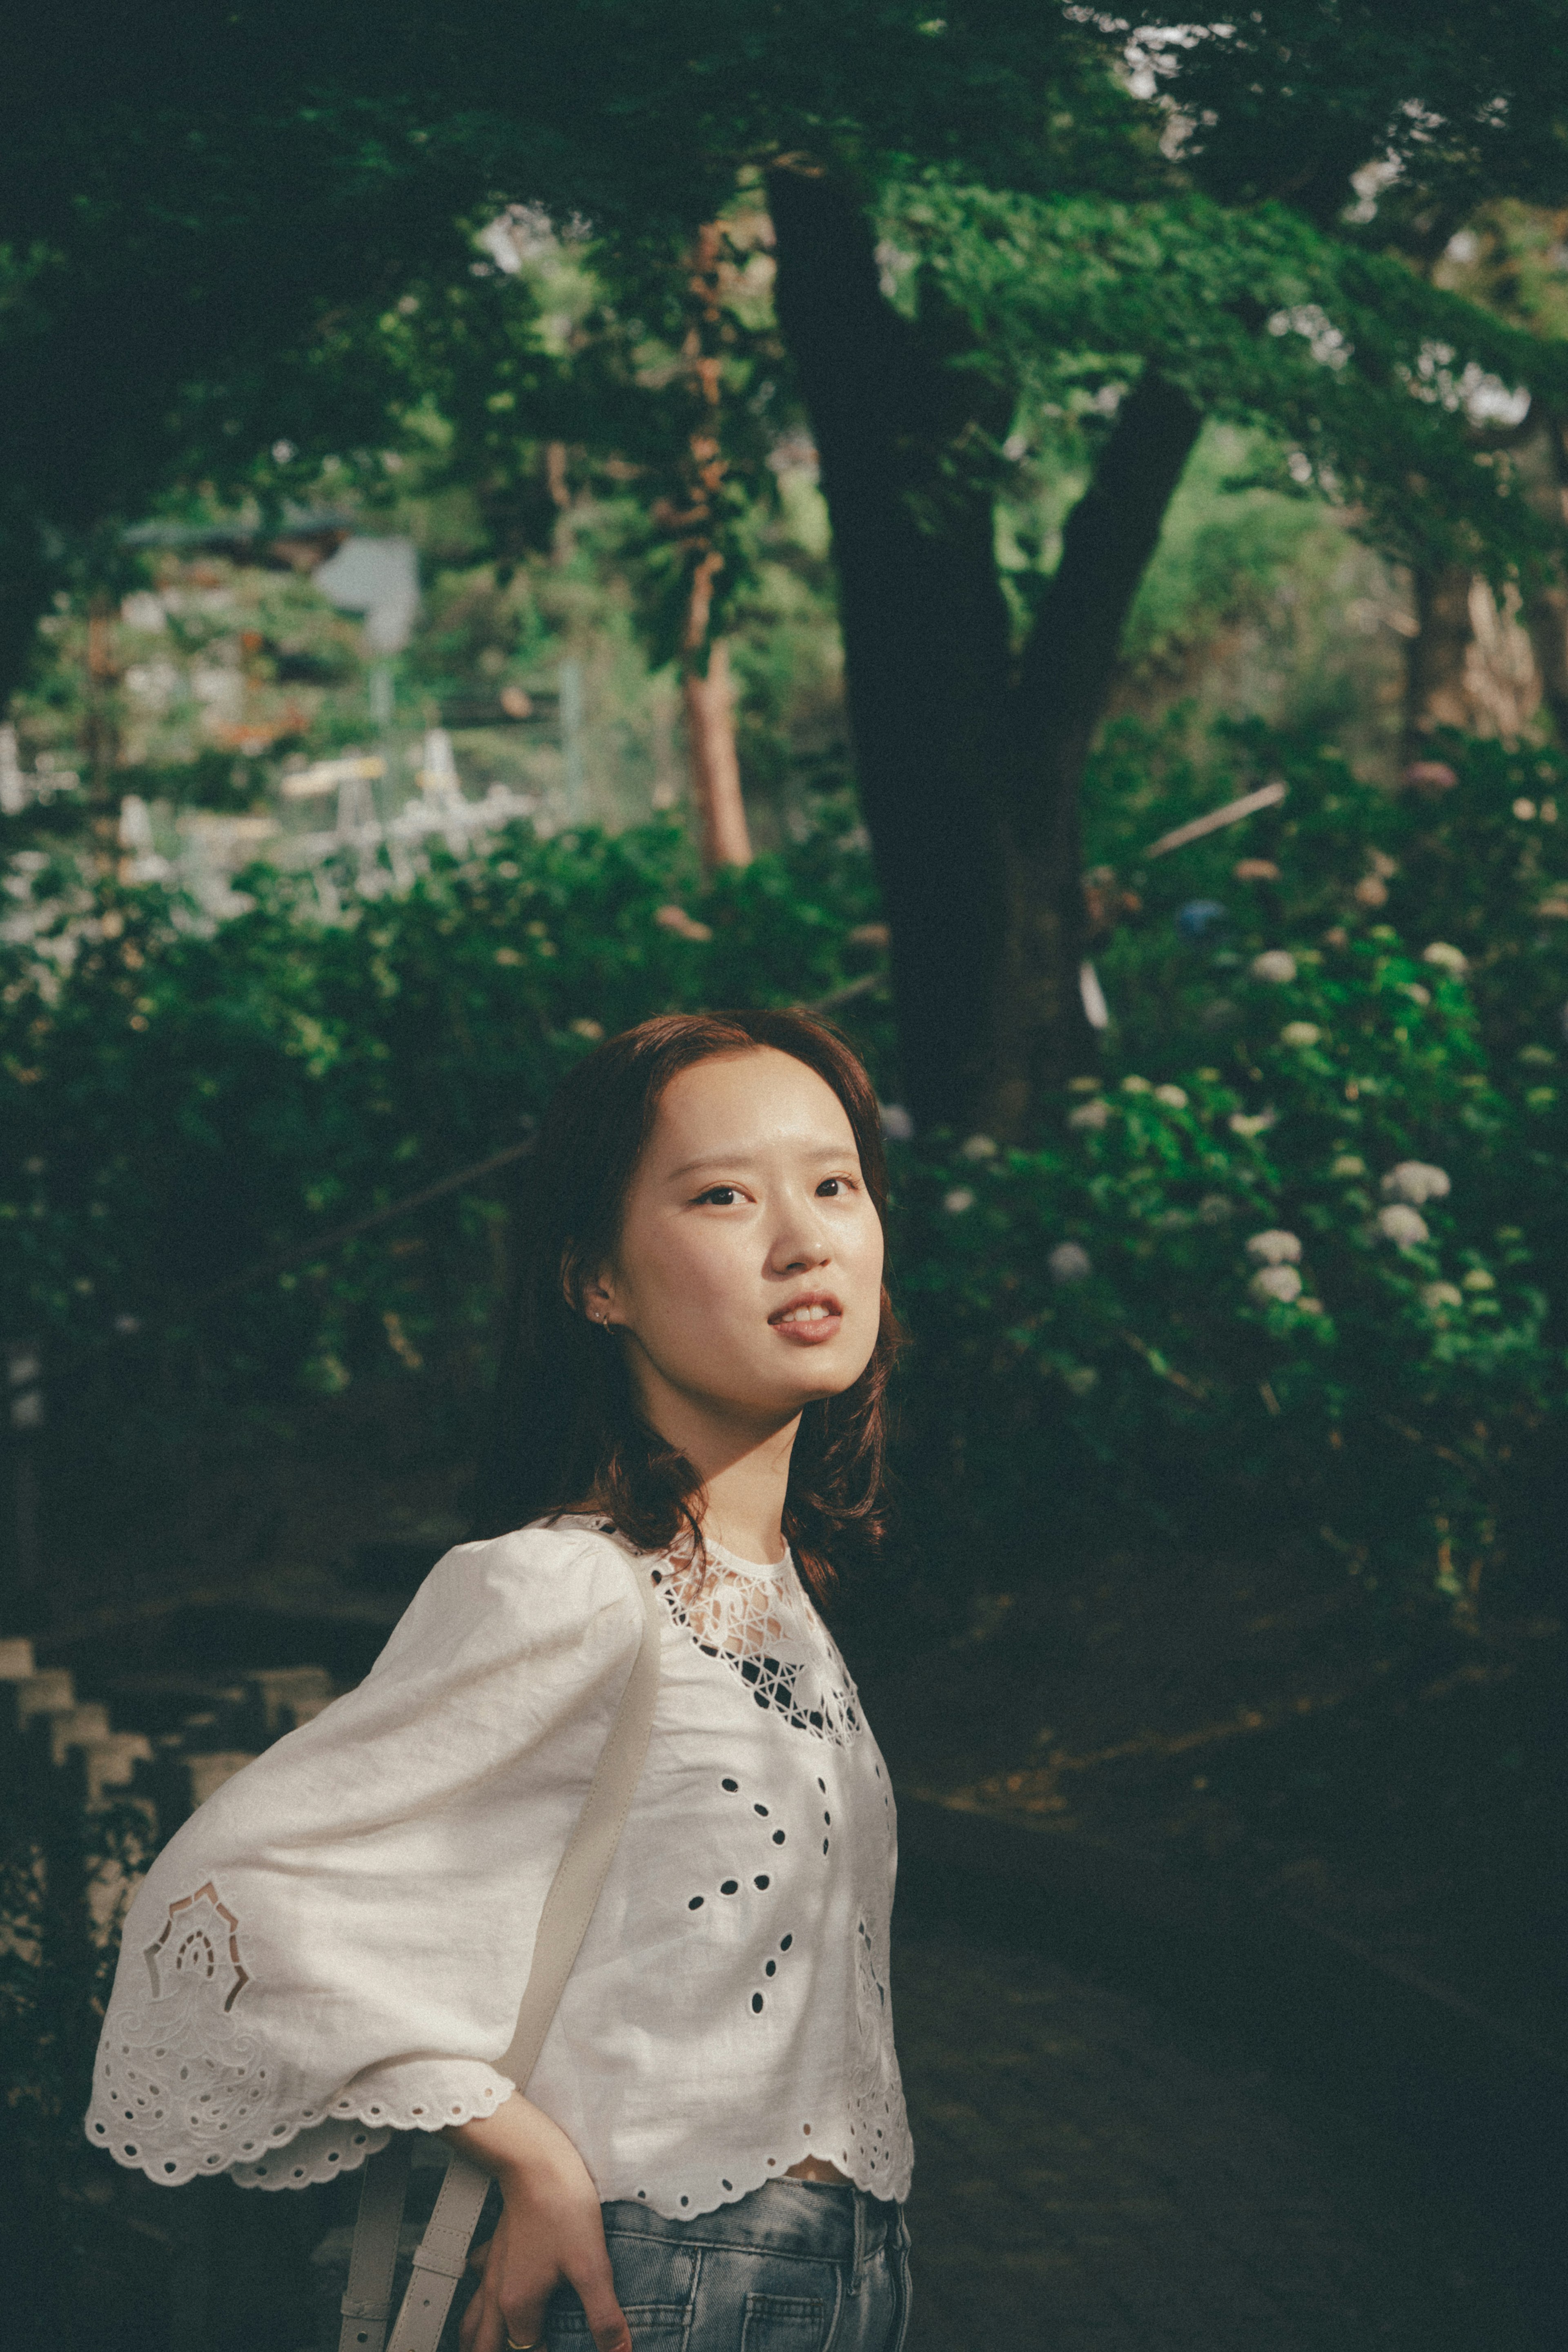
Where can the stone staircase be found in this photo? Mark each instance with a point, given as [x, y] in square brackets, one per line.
[160, 1742]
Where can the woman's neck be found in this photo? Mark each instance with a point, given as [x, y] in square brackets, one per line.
[744, 1506]
[744, 1471]
[745, 1492]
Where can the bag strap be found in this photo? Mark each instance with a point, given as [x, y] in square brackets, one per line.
[367, 2299]
[568, 1907]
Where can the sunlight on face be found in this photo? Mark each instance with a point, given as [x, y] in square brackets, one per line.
[748, 1279]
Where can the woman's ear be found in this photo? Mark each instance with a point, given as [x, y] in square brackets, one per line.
[596, 1297]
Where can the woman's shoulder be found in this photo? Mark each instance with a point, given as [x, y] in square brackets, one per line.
[562, 1578]
[566, 1549]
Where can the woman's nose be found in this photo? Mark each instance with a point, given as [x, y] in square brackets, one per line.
[801, 1243]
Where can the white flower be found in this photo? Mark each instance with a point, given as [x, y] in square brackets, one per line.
[1275, 1248]
[1414, 992]
[1300, 1032]
[1094, 1114]
[1279, 1284]
[1274, 964]
[1416, 1181]
[1442, 1294]
[1082, 1379]
[1402, 1226]
[979, 1147]
[1174, 1096]
[1213, 1209]
[1448, 958]
[1242, 1122]
[1348, 1164]
[583, 1027]
[896, 1123]
[1310, 1306]
[1135, 1086]
[1069, 1262]
[1479, 1279]
[959, 1199]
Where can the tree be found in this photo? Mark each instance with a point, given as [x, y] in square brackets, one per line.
[1252, 280]
[1506, 258]
[556, 364]
[1106, 240]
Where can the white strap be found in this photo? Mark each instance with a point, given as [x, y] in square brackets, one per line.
[441, 2259]
[563, 1923]
[585, 1866]
[367, 2299]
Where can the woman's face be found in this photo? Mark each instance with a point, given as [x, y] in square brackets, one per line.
[747, 1280]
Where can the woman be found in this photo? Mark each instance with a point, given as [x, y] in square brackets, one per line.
[712, 2150]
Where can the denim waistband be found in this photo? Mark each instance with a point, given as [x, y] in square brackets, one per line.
[818, 2219]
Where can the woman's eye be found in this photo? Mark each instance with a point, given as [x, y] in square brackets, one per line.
[721, 1195]
[833, 1186]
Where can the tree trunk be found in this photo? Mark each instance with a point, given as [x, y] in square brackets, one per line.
[1546, 605]
[1546, 614]
[101, 731]
[715, 767]
[1066, 672]
[969, 765]
[706, 685]
[926, 634]
[1436, 656]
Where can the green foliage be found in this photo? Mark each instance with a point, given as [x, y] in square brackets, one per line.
[1265, 320]
[66, 1881]
[1401, 1397]
[176, 1106]
[279, 253]
[184, 1104]
[1105, 1301]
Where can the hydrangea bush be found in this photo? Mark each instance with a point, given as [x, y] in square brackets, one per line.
[1290, 1263]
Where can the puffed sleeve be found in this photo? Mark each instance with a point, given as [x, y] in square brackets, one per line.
[335, 1944]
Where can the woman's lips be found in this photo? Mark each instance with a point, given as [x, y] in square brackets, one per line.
[808, 1323]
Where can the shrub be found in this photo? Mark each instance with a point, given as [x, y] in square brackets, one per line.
[1285, 1264]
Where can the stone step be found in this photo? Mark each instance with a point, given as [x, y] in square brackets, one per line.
[109, 1766]
[164, 1741]
[50, 1691]
[289, 1695]
[75, 1727]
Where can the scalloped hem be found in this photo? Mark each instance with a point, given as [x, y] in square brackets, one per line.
[307, 2152]
[671, 2206]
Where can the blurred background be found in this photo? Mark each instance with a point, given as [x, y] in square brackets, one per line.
[1048, 543]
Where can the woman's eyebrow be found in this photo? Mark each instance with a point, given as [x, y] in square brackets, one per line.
[820, 1148]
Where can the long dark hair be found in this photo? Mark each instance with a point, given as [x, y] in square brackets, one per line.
[566, 1425]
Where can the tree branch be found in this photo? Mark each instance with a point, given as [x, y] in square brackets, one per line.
[1069, 664]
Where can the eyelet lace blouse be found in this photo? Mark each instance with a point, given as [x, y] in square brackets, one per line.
[336, 1943]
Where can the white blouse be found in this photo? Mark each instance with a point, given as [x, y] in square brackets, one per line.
[336, 1943]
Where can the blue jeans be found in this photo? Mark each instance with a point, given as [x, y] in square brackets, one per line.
[798, 2266]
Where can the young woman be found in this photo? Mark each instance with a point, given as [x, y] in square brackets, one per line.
[712, 2151]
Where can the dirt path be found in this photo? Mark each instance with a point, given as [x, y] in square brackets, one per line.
[1087, 2183]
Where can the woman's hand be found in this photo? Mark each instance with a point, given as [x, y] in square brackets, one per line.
[551, 2230]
